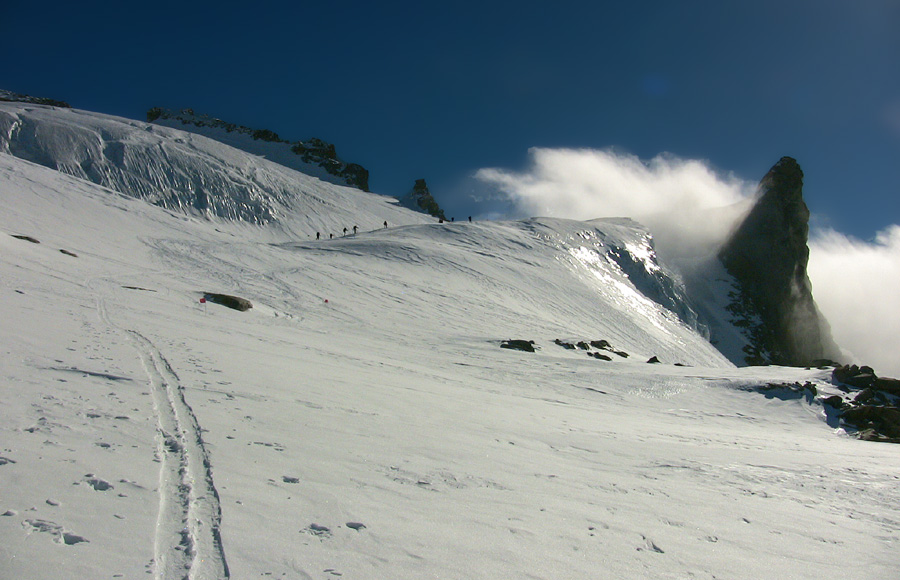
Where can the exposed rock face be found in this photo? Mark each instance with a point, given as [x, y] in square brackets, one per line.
[768, 255]
[19, 98]
[873, 410]
[421, 199]
[314, 151]
[324, 155]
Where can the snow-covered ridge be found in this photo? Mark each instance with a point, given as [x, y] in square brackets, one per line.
[537, 279]
[314, 156]
[188, 173]
[10, 96]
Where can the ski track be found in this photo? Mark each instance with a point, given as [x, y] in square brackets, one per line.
[187, 542]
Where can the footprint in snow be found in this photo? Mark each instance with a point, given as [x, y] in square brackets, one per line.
[60, 535]
[322, 532]
[649, 546]
[97, 483]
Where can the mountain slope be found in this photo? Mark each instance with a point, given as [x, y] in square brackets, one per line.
[361, 420]
[312, 157]
[189, 173]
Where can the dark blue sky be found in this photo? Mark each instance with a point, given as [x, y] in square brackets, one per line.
[411, 89]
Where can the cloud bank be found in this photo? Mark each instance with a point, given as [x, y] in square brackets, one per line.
[691, 209]
[856, 284]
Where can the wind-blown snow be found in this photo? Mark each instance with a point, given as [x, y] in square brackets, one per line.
[361, 421]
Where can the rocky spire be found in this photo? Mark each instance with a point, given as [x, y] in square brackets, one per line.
[767, 255]
[420, 199]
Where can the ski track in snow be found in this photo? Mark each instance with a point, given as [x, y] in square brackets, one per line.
[188, 542]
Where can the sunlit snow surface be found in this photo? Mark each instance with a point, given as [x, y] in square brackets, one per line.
[361, 420]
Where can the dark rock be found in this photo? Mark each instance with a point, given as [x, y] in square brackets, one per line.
[653, 360]
[68, 253]
[834, 401]
[864, 396]
[233, 302]
[26, 238]
[566, 345]
[583, 345]
[884, 421]
[524, 345]
[859, 377]
[890, 386]
[421, 199]
[767, 255]
[861, 381]
[599, 356]
[604, 345]
[19, 98]
[842, 373]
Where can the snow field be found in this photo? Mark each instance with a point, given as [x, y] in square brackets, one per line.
[385, 433]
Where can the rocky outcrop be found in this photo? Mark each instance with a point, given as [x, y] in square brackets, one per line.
[767, 255]
[872, 405]
[313, 151]
[324, 155]
[420, 199]
[19, 98]
[587, 346]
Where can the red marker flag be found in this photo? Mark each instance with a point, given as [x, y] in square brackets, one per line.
[203, 301]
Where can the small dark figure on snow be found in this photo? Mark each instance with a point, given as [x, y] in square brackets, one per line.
[317, 235]
[470, 218]
[330, 236]
[345, 231]
[354, 230]
[385, 224]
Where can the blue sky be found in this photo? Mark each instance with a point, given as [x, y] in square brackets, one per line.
[414, 89]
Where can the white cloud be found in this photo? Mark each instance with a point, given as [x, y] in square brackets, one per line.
[668, 194]
[856, 287]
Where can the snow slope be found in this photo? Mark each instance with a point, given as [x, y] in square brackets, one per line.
[188, 172]
[239, 137]
[362, 421]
